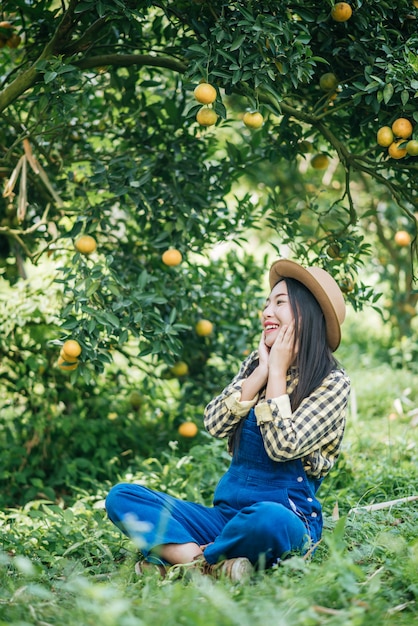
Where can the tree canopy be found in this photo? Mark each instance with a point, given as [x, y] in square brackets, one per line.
[99, 137]
[138, 216]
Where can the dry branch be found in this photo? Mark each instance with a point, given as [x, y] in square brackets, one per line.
[382, 505]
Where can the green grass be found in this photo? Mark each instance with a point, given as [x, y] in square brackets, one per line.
[72, 567]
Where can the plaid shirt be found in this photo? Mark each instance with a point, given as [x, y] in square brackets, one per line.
[312, 433]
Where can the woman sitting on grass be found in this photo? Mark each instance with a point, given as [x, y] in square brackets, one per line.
[284, 416]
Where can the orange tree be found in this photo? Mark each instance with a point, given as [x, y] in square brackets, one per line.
[105, 167]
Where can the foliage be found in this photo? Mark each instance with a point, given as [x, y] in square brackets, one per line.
[69, 565]
[59, 435]
[99, 137]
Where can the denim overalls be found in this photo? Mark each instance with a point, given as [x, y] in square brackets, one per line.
[262, 509]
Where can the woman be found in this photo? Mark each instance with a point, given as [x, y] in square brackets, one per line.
[284, 416]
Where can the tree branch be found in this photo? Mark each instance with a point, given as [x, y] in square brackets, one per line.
[348, 159]
[29, 77]
[87, 38]
[125, 60]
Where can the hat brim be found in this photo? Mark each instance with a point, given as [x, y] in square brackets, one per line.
[312, 279]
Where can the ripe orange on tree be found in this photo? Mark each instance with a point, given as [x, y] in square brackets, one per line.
[205, 93]
[402, 238]
[86, 244]
[402, 128]
[341, 12]
[206, 117]
[172, 257]
[253, 120]
[385, 136]
[68, 366]
[204, 328]
[188, 429]
[5, 29]
[180, 369]
[395, 151]
[13, 41]
[320, 162]
[71, 350]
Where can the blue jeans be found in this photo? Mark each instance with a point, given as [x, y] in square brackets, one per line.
[262, 509]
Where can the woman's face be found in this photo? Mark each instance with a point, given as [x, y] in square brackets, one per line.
[277, 312]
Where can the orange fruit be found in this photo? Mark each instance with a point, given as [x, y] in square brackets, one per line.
[14, 41]
[320, 162]
[409, 309]
[68, 366]
[395, 151]
[205, 93]
[206, 117]
[384, 136]
[5, 25]
[402, 128]
[172, 257]
[180, 369]
[341, 12]
[334, 251]
[204, 328]
[71, 349]
[402, 238]
[66, 358]
[346, 285]
[135, 400]
[188, 429]
[328, 81]
[305, 146]
[86, 244]
[412, 146]
[253, 120]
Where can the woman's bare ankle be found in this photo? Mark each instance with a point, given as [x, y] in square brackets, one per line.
[177, 553]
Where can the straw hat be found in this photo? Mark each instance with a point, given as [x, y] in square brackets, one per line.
[323, 287]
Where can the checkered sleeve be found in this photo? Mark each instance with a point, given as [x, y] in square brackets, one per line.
[224, 412]
[314, 431]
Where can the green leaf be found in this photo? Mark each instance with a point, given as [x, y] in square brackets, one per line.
[238, 42]
[112, 319]
[387, 92]
[197, 48]
[49, 76]
[404, 96]
[92, 288]
[372, 86]
[71, 323]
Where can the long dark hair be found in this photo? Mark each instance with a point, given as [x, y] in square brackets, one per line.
[314, 359]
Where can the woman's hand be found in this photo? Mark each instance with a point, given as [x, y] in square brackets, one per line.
[263, 353]
[283, 353]
[258, 378]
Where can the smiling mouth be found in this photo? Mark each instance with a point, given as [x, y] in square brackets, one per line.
[270, 327]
